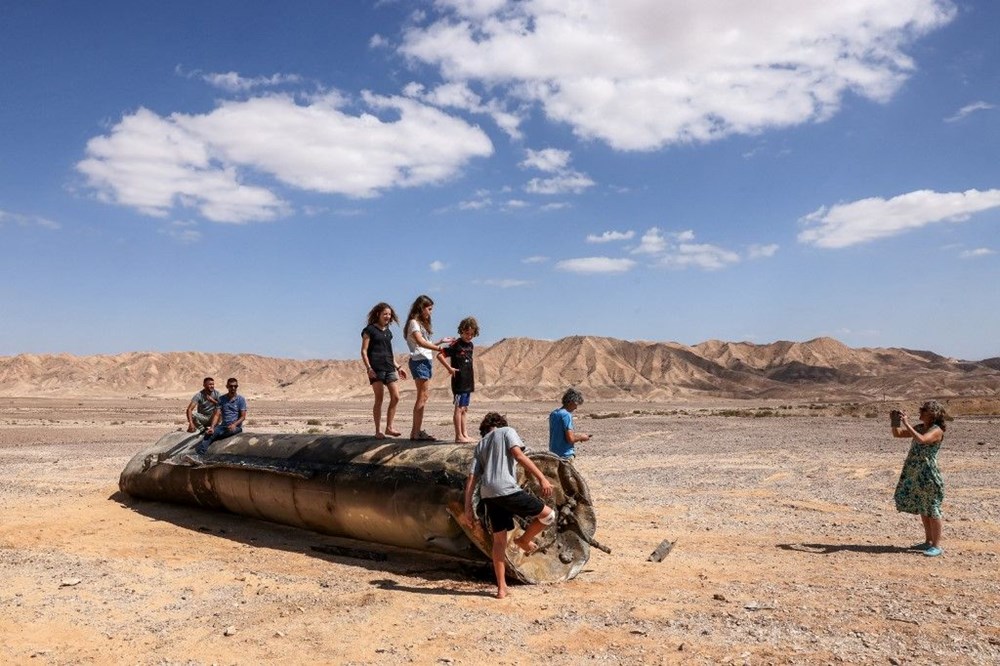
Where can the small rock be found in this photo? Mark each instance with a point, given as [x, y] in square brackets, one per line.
[719, 597]
[279, 634]
[70, 582]
[230, 631]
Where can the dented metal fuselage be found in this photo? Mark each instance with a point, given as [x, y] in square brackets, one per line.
[399, 493]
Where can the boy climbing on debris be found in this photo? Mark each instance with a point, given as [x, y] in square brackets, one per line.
[494, 460]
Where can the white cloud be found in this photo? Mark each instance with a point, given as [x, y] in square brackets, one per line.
[652, 242]
[570, 182]
[595, 265]
[699, 255]
[461, 96]
[155, 163]
[22, 220]
[978, 252]
[437, 266]
[549, 160]
[507, 283]
[182, 232]
[969, 109]
[609, 236]
[870, 219]
[557, 205]
[756, 251]
[537, 259]
[233, 82]
[515, 203]
[642, 74]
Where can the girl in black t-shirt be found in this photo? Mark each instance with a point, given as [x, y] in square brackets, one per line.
[380, 364]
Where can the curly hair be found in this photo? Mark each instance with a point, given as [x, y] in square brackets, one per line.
[490, 421]
[469, 324]
[572, 395]
[374, 313]
[935, 409]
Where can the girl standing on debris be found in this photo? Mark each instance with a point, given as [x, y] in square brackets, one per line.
[921, 489]
[380, 364]
[422, 350]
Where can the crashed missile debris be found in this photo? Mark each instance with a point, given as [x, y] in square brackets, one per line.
[400, 493]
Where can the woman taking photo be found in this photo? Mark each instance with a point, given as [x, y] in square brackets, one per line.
[921, 489]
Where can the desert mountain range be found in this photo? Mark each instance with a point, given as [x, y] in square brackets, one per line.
[528, 369]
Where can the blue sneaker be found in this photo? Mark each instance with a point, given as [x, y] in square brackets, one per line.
[923, 545]
[933, 551]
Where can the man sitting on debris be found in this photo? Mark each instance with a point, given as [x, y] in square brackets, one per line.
[202, 406]
[228, 418]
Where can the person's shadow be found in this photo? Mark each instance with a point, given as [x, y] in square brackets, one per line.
[829, 548]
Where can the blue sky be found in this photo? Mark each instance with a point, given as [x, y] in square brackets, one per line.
[253, 176]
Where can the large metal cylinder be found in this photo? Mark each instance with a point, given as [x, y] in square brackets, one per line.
[394, 492]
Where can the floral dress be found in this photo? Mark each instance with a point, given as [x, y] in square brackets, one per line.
[921, 489]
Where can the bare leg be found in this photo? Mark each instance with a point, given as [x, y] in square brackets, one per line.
[926, 522]
[525, 541]
[378, 388]
[498, 553]
[934, 533]
[390, 412]
[418, 408]
[461, 425]
[457, 420]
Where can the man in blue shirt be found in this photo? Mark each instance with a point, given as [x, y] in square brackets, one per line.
[228, 418]
[562, 437]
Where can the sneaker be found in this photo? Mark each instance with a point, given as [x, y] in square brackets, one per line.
[923, 545]
[933, 551]
[189, 459]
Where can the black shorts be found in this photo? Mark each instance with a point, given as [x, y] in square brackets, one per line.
[501, 510]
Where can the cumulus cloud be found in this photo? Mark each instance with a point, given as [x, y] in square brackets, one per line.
[756, 251]
[461, 96]
[870, 219]
[595, 265]
[222, 163]
[978, 252]
[437, 266]
[609, 236]
[562, 178]
[22, 220]
[642, 74]
[969, 109]
[537, 259]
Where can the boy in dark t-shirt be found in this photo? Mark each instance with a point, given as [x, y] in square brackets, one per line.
[463, 383]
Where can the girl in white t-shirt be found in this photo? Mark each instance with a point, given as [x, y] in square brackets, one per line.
[422, 350]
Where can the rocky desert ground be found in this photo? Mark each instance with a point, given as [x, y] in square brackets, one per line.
[787, 549]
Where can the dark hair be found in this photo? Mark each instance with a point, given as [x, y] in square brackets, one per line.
[418, 306]
[232, 379]
[490, 421]
[572, 395]
[374, 313]
[469, 324]
[206, 379]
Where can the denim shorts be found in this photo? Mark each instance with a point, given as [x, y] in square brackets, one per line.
[385, 376]
[462, 399]
[420, 368]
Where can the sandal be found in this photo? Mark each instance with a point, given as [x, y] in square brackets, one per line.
[422, 436]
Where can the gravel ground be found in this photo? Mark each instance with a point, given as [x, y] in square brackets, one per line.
[787, 550]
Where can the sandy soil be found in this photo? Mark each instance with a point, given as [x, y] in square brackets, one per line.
[788, 550]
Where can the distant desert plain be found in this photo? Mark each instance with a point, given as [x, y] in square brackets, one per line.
[769, 467]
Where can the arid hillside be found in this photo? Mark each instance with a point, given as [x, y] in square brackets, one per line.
[528, 369]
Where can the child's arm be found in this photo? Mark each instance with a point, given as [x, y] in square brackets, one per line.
[444, 361]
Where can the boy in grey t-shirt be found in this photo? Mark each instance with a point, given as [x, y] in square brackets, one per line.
[494, 462]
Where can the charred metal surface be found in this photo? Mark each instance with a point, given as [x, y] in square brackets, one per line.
[394, 492]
